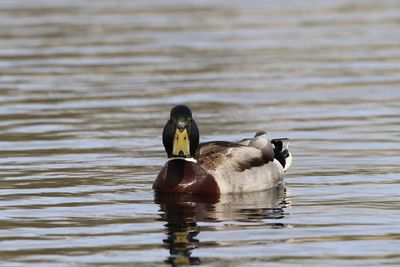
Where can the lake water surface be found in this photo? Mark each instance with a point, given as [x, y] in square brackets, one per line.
[86, 88]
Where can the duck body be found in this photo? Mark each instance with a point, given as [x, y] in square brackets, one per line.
[252, 164]
[221, 167]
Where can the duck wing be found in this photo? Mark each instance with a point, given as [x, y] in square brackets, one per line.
[239, 168]
[232, 157]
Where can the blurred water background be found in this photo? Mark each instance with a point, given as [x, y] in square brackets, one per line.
[86, 87]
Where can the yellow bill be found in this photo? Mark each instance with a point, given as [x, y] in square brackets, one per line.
[181, 145]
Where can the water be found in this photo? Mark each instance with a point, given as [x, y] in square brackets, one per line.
[86, 87]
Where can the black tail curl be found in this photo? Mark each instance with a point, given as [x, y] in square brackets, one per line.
[280, 153]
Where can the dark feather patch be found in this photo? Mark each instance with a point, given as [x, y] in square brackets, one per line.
[250, 163]
[259, 133]
[212, 154]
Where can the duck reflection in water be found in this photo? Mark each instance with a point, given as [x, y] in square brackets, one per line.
[182, 212]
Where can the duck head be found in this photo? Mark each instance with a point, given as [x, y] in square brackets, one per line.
[181, 135]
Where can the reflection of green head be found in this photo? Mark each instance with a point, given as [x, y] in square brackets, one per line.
[181, 242]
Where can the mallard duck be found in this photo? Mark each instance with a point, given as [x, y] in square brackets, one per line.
[216, 167]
